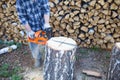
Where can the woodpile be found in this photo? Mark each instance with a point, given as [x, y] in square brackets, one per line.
[88, 22]
[10, 27]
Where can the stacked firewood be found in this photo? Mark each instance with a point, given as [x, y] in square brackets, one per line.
[88, 22]
[10, 27]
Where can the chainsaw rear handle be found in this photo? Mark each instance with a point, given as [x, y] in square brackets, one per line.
[49, 32]
[40, 33]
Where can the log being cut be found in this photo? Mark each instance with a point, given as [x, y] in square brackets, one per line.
[59, 58]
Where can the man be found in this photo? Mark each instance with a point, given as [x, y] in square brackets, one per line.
[34, 15]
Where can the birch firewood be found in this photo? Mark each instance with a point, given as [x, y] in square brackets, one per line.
[114, 69]
[59, 59]
[8, 49]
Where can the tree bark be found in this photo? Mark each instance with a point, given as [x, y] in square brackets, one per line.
[114, 69]
[59, 60]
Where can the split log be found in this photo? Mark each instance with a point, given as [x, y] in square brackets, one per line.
[92, 73]
[59, 59]
[114, 68]
[8, 49]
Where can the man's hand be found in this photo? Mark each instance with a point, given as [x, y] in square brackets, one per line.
[46, 26]
[48, 30]
[31, 34]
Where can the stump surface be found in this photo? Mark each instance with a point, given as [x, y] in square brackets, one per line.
[61, 43]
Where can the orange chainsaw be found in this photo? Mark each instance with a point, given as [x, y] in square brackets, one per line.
[41, 37]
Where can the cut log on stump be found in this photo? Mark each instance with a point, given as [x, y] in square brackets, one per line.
[59, 59]
[114, 69]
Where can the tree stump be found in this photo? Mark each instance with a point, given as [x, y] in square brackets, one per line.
[114, 69]
[59, 59]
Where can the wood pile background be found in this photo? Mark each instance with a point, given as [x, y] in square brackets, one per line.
[10, 27]
[89, 22]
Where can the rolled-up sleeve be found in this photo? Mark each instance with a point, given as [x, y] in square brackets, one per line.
[21, 12]
[45, 7]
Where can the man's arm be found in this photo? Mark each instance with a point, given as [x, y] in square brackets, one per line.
[27, 27]
[46, 10]
[46, 18]
[22, 14]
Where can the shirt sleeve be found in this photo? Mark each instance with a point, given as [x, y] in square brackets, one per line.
[45, 7]
[21, 12]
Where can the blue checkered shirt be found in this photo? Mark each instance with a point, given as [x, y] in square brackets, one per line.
[32, 12]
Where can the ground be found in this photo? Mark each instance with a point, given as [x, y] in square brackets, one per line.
[94, 59]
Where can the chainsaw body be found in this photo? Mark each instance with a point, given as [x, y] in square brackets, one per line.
[41, 37]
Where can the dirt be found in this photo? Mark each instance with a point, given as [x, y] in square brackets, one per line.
[91, 59]
[87, 59]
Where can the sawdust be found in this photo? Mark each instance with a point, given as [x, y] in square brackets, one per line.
[33, 74]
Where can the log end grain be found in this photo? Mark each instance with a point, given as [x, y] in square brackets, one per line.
[61, 43]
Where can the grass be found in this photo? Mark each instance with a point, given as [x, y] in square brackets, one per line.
[76, 57]
[25, 53]
[6, 71]
[9, 43]
[16, 77]
[83, 52]
[107, 55]
[95, 48]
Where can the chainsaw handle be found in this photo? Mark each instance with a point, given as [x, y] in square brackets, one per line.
[39, 38]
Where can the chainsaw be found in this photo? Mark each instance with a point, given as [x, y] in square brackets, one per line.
[41, 37]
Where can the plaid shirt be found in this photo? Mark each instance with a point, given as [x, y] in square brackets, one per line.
[32, 12]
